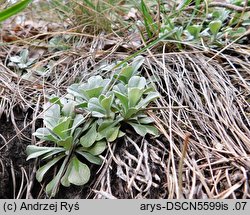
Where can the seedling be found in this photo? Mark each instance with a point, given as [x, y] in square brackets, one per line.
[194, 30]
[214, 27]
[21, 61]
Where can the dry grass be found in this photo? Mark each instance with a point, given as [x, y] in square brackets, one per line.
[203, 98]
[208, 101]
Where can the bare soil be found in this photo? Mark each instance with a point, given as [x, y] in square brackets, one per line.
[12, 157]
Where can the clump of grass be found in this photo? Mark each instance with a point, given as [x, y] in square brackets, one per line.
[90, 16]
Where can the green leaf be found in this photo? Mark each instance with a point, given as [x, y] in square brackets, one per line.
[142, 130]
[109, 129]
[45, 134]
[120, 88]
[152, 130]
[79, 172]
[55, 100]
[24, 54]
[91, 158]
[42, 170]
[88, 124]
[81, 104]
[137, 82]
[183, 4]
[22, 66]
[66, 143]
[62, 129]
[58, 150]
[69, 109]
[96, 149]
[58, 43]
[215, 26]
[121, 134]
[52, 115]
[111, 134]
[123, 99]
[74, 90]
[145, 120]
[105, 124]
[53, 186]
[237, 32]
[90, 137]
[149, 23]
[139, 129]
[80, 130]
[37, 151]
[131, 112]
[93, 92]
[148, 90]
[106, 103]
[78, 120]
[15, 59]
[94, 82]
[94, 87]
[95, 108]
[137, 63]
[14, 9]
[194, 30]
[125, 74]
[134, 96]
[65, 180]
[136, 87]
[150, 97]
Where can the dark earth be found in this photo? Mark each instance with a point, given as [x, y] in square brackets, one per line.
[12, 156]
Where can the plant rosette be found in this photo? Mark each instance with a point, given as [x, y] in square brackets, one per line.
[91, 115]
[64, 128]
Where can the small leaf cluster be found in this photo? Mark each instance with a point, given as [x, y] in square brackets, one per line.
[21, 61]
[219, 26]
[91, 115]
[123, 103]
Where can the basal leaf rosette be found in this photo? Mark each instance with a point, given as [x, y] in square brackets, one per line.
[64, 128]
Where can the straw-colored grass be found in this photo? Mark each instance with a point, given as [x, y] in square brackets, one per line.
[204, 106]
